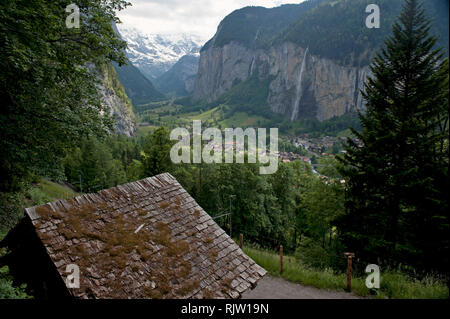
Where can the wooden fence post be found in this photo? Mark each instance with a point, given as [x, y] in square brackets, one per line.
[241, 241]
[349, 256]
[281, 259]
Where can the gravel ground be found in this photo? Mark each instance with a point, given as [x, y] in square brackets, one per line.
[278, 288]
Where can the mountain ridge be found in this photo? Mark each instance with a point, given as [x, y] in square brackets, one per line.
[138, 88]
[324, 82]
[179, 79]
[155, 54]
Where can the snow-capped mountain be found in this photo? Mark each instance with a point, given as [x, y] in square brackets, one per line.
[155, 54]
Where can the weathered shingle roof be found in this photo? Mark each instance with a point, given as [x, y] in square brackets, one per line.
[147, 239]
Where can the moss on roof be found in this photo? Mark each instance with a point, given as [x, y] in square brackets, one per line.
[147, 239]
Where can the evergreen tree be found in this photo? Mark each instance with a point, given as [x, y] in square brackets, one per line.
[156, 158]
[96, 164]
[397, 178]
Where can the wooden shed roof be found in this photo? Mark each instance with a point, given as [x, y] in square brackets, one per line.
[147, 239]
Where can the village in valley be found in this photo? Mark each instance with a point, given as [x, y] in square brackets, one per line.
[304, 147]
[310, 149]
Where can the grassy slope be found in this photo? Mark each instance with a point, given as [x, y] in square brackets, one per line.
[393, 284]
[40, 193]
[211, 117]
[46, 191]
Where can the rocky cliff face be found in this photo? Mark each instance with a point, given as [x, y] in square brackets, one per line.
[115, 101]
[302, 85]
[313, 55]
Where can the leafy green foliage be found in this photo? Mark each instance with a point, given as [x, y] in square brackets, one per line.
[102, 164]
[397, 190]
[264, 207]
[312, 254]
[49, 96]
[330, 166]
[7, 289]
[11, 209]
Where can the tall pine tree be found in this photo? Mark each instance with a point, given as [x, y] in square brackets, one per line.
[397, 174]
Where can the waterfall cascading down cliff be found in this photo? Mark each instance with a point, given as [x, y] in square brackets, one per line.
[298, 94]
[312, 87]
[252, 66]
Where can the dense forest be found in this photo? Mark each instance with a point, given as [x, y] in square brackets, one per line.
[270, 210]
[50, 99]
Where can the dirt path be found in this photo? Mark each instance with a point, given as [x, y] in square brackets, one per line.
[278, 288]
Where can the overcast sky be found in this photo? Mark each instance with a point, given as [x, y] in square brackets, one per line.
[199, 17]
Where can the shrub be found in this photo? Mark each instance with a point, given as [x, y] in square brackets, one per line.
[11, 209]
[7, 290]
[312, 254]
[38, 197]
